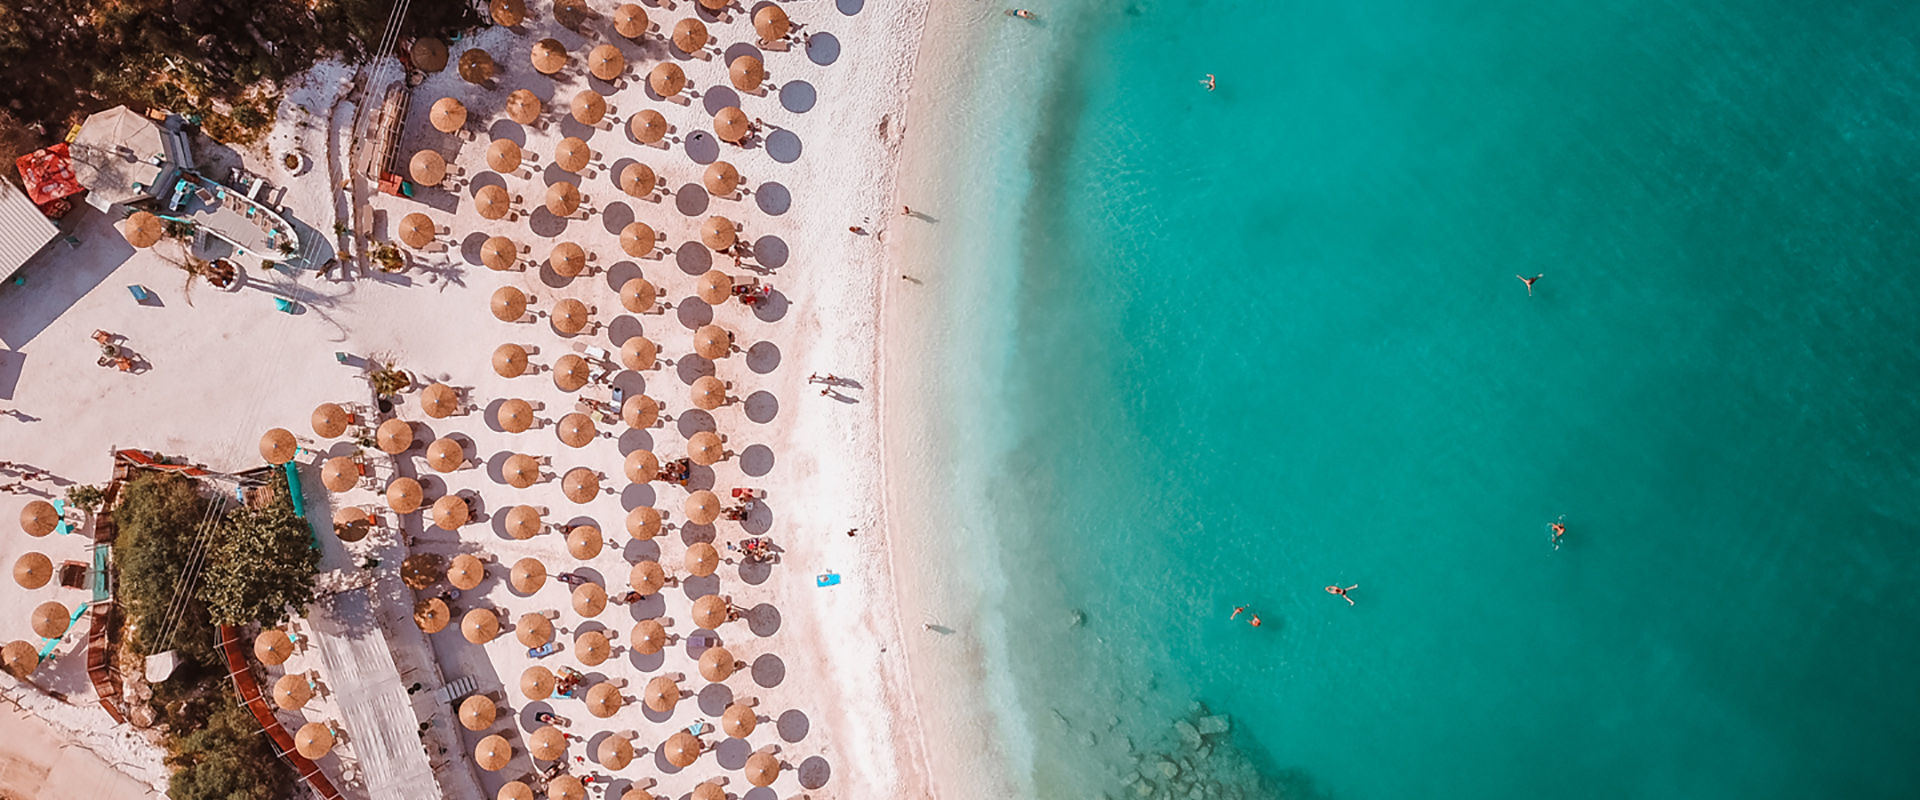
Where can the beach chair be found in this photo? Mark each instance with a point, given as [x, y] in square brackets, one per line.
[140, 293]
[283, 304]
[65, 527]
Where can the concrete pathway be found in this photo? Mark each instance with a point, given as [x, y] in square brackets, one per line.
[377, 714]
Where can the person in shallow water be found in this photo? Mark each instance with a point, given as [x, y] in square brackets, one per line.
[1237, 610]
[1342, 593]
[1529, 281]
[1208, 82]
[1559, 529]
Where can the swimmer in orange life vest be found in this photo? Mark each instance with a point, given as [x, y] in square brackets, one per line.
[1342, 593]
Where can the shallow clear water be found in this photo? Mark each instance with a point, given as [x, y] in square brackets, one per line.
[1227, 348]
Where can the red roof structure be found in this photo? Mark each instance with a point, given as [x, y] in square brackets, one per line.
[48, 175]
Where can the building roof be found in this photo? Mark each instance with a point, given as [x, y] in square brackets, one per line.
[116, 149]
[23, 229]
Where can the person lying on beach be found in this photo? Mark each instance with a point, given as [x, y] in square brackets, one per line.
[1342, 593]
[1529, 281]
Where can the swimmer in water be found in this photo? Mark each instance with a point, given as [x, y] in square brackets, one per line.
[1208, 82]
[1254, 620]
[1021, 13]
[1559, 528]
[1342, 593]
[1529, 281]
[1236, 612]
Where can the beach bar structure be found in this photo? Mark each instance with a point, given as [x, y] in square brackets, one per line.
[124, 158]
[383, 139]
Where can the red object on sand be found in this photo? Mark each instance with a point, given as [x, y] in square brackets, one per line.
[48, 176]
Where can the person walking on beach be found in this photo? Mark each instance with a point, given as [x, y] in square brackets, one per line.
[1342, 593]
[1529, 281]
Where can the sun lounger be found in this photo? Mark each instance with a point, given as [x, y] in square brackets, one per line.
[825, 579]
[283, 304]
[140, 294]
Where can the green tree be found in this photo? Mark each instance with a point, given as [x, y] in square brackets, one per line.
[224, 757]
[262, 564]
[86, 497]
[158, 517]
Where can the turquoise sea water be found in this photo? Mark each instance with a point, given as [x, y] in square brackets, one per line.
[1247, 343]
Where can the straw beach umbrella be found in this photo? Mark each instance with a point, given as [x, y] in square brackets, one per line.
[480, 625]
[637, 295]
[49, 620]
[428, 168]
[703, 507]
[731, 124]
[330, 420]
[549, 56]
[313, 740]
[404, 495]
[477, 67]
[547, 743]
[503, 155]
[292, 691]
[706, 448]
[614, 753]
[603, 700]
[662, 692]
[536, 683]
[523, 522]
[721, 179]
[715, 6]
[339, 473]
[571, 13]
[568, 259]
[637, 180]
[650, 637]
[446, 455]
[605, 62]
[640, 411]
[589, 599]
[277, 447]
[509, 304]
[570, 373]
[515, 790]
[709, 393]
[477, 712]
[431, 615]
[466, 571]
[771, 22]
[592, 648]
[563, 198]
[351, 524]
[521, 471]
[762, 769]
[708, 790]
[584, 542]
[717, 664]
[630, 20]
[589, 107]
[576, 430]
[428, 54]
[690, 36]
[642, 466]
[507, 13]
[394, 436]
[492, 754]
[646, 577]
[439, 400]
[714, 287]
[566, 787]
[515, 415]
[272, 647]
[534, 630]
[637, 239]
[569, 317]
[710, 611]
[492, 202]
[580, 484]
[32, 570]
[509, 360]
[747, 73]
[523, 106]
[421, 570]
[638, 352]
[450, 512]
[416, 230]
[739, 721]
[572, 154]
[702, 559]
[527, 576]
[667, 79]
[718, 233]
[447, 115]
[643, 522]
[143, 229]
[681, 749]
[647, 125]
[499, 253]
[712, 342]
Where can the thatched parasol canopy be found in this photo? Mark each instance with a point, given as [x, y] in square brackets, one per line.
[649, 637]
[492, 754]
[499, 253]
[717, 664]
[732, 125]
[662, 692]
[509, 304]
[534, 630]
[493, 202]
[351, 523]
[606, 62]
[703, 507]
[721, 179]
[528, 576]
[549, 56]
[431, 614]
[465, 571]
[480, 625]
[571, 13]
[584, 542]
[277, 446]
[614, 753]
[404, 495]
[771, 23]
[313, 740]
[638, 180]
[446, 455]
[708, 790]
[417, 229]
[394, 436]
[568, 259]
[521, 470]
[592, 648]
[339, 473]
[630, 20]
[706, 448]
[576, 430]
[49, 620]
[439, 400]
[638, 239]
[640, 411]
[477, 712]
[681, 749]
[143, 229]
[563, 198]
[515, 790]
[536, 683]
[451, 512]
[427, 167]
[503, 155]
[421, 570]
[39, 517]
[637, 295]
[20, 658]
[330, 420]
[569, 317]
[32, 570]
[710, 611]
[747, 73]
[690, 36]
[566, 787]
[477, 67]
[604, 700]
[292, 691]
[718, 232]
[447, 115]
[523, 522]
[646, 577]
[272, 647]
[667, 79]
[642, 466]
[712, 342]
[589, 599]
[714, 287]
[571, 372]
[739, 721]
[643, 522]
[639, 352]
[589, 107]
[709, 393]
[647, 125]
[572, 154]
[523, 106]
[507, 13]
[702, 559]
[547, 743]
[762, 769]
[428, 54]
[510, 360]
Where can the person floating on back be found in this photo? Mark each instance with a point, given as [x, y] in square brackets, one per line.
[1559, 529]
[1236, 612]
[1342, 593]
[1208, 82]
[1529, 281]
